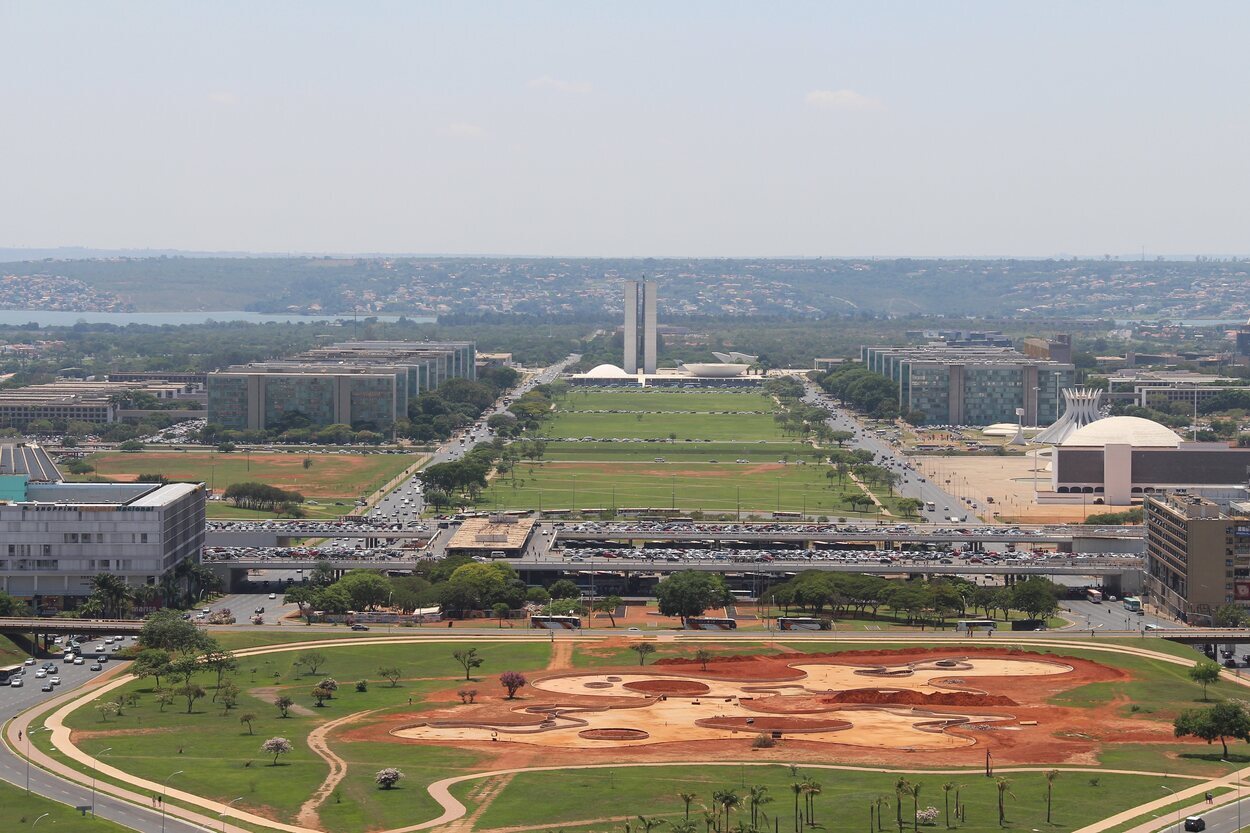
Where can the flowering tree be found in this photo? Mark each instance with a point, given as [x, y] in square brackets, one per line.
[276, 747]
[329, 684]
[512, 680]
[929, 815]
[388, 777]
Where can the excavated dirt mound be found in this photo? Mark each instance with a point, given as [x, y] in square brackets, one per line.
[906, 697]
[596, 684]
[613, 734]
[679, 688]
[775, 724]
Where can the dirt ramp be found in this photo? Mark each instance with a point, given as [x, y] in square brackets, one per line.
[677, 688]
[784, 725]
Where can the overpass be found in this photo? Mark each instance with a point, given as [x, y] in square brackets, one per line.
[34, 633]
[282, 533]
[1095, 539]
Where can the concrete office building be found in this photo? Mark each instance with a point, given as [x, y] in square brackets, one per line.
[364, 384]
[79, 400]
[1197, 556]
[640, 313]
[55, 536]
[972, 385]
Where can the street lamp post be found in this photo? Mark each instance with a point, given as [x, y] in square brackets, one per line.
[41, 818]
[1178, 807]
[164, 792]
[95, 766]
[30, 732]
[223, 815]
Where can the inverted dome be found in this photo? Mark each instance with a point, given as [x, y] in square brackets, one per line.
[1135, 431]
[715, 370]
[607, 371]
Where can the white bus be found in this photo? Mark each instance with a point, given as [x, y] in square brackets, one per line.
[710, 623]
[803, 623]
[975, 625]
[1093, 596]
[556, 623]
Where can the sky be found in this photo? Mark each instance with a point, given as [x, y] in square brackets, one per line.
[631, 128]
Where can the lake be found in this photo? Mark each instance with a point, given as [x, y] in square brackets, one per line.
[56, 318]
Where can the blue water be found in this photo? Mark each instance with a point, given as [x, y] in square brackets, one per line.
[50, 318]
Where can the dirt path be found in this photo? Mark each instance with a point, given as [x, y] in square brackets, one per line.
[561, 656]
[484, 795]
[318, 742]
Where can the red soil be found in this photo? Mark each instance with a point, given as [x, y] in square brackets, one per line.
[679, 688]
[906, 697]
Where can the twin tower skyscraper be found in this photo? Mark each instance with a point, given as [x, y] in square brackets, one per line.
[639, 321]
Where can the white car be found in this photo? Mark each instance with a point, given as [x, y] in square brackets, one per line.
[40, 674]
[16, 682]
[273, 595]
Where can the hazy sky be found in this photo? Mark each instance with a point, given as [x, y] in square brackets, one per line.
[628, 128]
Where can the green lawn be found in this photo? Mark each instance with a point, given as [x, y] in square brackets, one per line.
[221, 760]
[707, 487]
[10, 654]
[653, 399]
[657, 426]
[843, 803]
[693, 452]
[21, 811]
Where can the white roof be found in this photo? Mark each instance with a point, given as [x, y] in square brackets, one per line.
[1135, 431]
[606, 371]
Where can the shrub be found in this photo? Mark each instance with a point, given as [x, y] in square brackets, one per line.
[387, 778]
[929, 815]
[362, 686]
[513, 681]
[763, 741]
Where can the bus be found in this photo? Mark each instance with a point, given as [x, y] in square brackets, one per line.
[556, 623]
[975, 625]
[930, 506]
[803, 623]
[710, 623]
[1093, 596]
[1133, 604]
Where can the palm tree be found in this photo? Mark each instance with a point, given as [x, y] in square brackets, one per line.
[813, 790]
[946, 790]
[1050, 776]
[710, 818]
[915, 805]
[902, 787]
[145, 594]
[649, 823]
[1004, 790]
[797, 789]
[882, 801]
[759, 795]
[729, 800]
[683, 826]
[686, 798]
[113, 592]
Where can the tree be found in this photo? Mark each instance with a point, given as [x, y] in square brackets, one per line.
[564, 589]
[1222, 721]
[1205, 673]
[163, 697]
[703, 656]
[312, 660]
[391, 673]
[501, 611]
[727, 799]
[329, 684]
[191, 692]
[686, 798]
[642, 649]
[1050, 775]
[366, 589]
[276, 747]
[151, 662]
[608, 605]
[513, 681]
[249, 718]
[320, 695]
[284, 704]
[689, 593]
[228, 693]
[756, 798]
[388, 778]
[219, 662]
[1003, 786]
[649, 823]
[469, 659]
[946, 794]
[168, 631]
[1229, 616]
[1035, 596]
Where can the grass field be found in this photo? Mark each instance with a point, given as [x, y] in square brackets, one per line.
[330, 478]
[609, 793]
[740, 427]
[587, 399]
[693, 452]
[717, 488]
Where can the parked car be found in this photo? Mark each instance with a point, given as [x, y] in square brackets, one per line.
[360, 627]
[1195, 824]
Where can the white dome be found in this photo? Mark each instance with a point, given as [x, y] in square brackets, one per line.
[1135, 431]
[607, 371]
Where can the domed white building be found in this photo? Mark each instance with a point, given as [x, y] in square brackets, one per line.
[1116, 459]
[607, 371]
